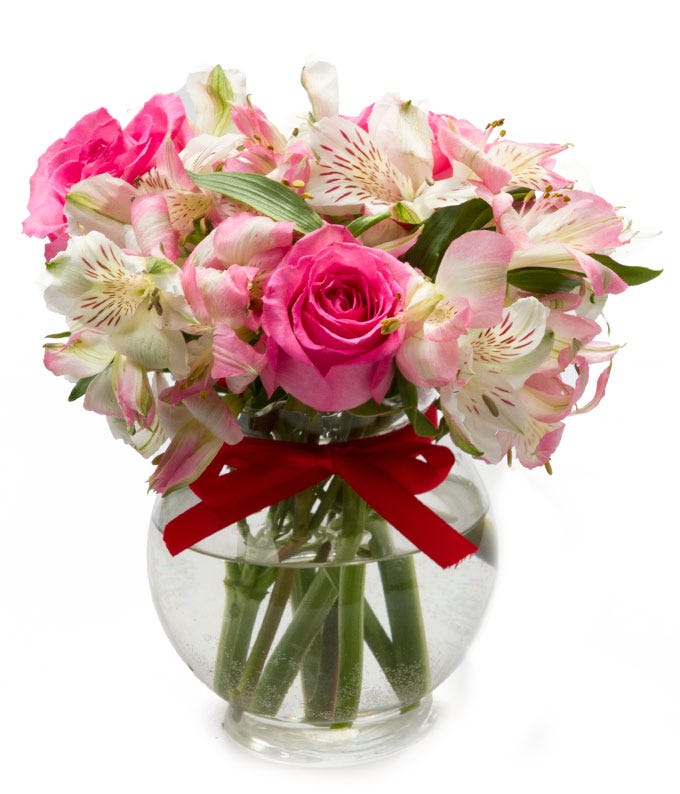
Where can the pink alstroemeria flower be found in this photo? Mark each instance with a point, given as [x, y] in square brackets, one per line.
[560, 231]
[224, 277]
[498, 164]
[468, 292]
[223, 280]
[198, 428]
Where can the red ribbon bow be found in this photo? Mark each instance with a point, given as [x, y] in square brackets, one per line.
[386, 471]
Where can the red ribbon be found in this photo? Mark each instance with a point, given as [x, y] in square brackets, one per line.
[386, 471]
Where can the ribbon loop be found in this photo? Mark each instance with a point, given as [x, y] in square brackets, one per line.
[386, 471]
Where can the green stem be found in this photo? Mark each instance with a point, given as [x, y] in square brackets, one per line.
[381, 647]
[302, 504]
[312, 659]
[350, 642]
[320, 705]
[319, 668]
[284, 661]
[276, 605]
[350, 609]
[400, 586]
[245, 679]
[245, 587]
[327, 501]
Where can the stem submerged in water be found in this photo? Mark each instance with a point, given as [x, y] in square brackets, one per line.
[350, 609]
[245, 587]
[331, 619]
[350, 642]
[411, 676]
[284, 661]
[276, 605]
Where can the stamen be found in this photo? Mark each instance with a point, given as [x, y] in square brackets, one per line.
[389, 325]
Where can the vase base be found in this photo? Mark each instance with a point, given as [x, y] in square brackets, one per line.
[367, 739]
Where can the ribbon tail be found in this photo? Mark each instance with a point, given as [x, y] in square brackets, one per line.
[422, 526]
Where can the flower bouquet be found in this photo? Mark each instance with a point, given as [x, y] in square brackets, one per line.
[305, 333]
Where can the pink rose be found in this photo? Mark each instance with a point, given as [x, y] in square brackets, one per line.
[323, 312]
[162, 116]
[91, 147]
[98, 145]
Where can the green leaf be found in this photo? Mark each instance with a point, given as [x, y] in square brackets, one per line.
[264, 195]
[520, 193]
[80, 388]
[442, 228]
[631, 274]
[359, 225]
[443, 430]
[421, 424]
[544, 280]
[409, 398]
[407, 391]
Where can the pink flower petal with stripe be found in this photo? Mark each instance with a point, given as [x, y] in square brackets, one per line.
[85, 354]
[133, 392]
[190, 452]
[153, 229]
[493, 175]
[474, 267]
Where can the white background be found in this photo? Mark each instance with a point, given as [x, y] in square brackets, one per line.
[572, 683]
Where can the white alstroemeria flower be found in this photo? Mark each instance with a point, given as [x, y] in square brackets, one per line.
[390, 167]
[495, 363]
[136, 301]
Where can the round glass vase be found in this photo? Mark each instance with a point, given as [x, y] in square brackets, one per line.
[322, 627]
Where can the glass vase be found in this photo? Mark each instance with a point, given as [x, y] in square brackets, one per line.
[323, 628]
